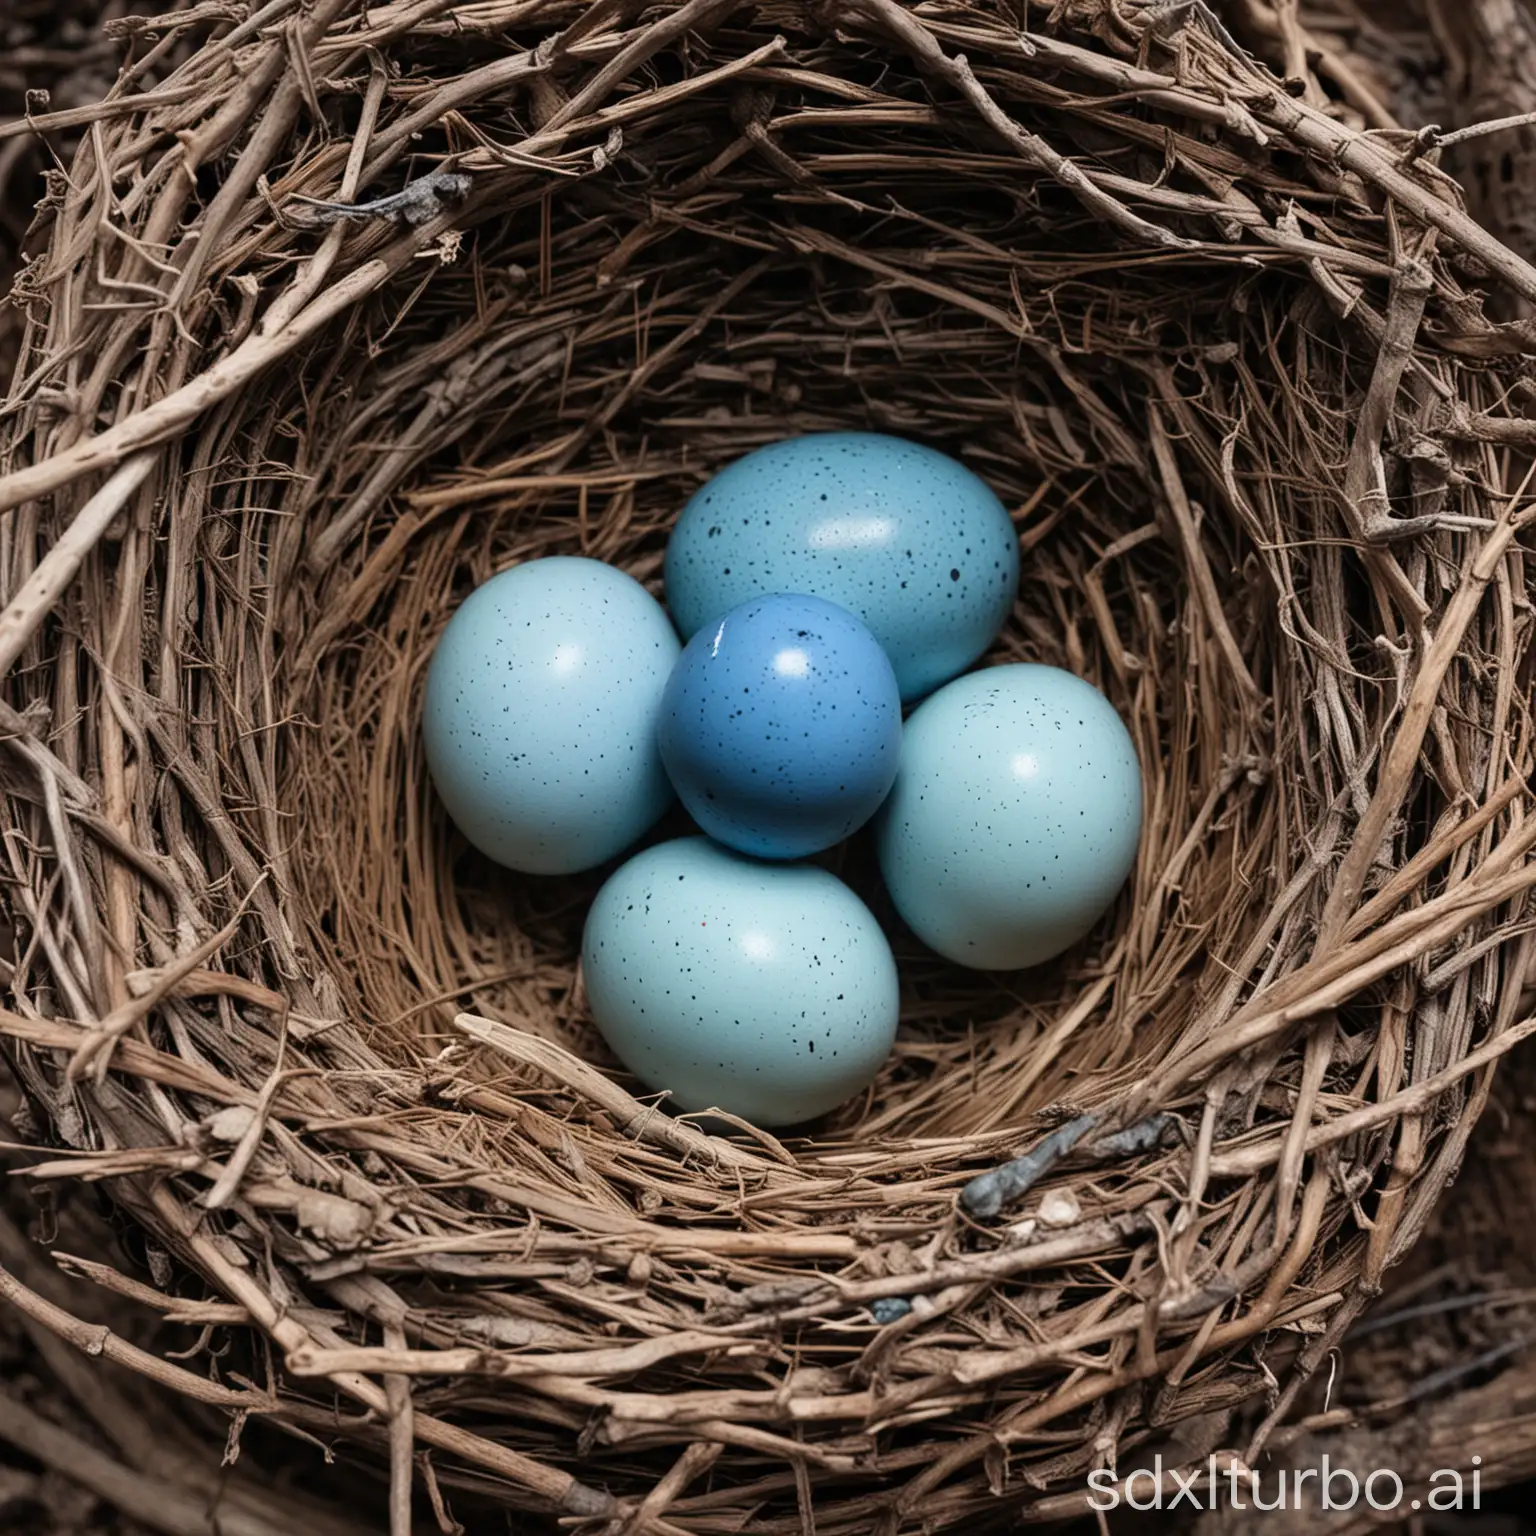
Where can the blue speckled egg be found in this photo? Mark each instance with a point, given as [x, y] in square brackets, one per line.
[781, 726]
[906, 537]
[764, 990]
[1015, 817]
[540, 714]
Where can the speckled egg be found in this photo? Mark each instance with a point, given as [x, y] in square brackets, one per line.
[905, 537]
[781, 726]
[540, 714]
[1015, 817]
[764, 990]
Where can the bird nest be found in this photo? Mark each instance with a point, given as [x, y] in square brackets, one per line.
[341, 308]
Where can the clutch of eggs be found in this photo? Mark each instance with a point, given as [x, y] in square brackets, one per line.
[819, 582]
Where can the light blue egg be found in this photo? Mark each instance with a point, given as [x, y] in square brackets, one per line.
[781, 726]
[1015, 816]
[764, 990]
[540, 714]
[905, 537]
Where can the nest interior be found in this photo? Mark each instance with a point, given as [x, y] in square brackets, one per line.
[343, 309]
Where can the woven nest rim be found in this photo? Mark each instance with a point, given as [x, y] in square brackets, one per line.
[1265, 475]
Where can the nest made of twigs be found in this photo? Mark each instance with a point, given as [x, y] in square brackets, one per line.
[354, 305]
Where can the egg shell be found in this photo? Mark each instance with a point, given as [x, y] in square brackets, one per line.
[764, 990]
[781, 726]
[540, 712]
[906, 537]
[1015, 817]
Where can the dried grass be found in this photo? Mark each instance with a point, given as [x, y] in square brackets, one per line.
[1221, 349]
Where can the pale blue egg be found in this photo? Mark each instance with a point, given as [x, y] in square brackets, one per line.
[540, 714]
[1015, 817]
[781, 726]
[906, 537]
[765, 990]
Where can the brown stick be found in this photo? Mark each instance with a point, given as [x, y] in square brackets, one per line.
[1397, 768]
[1243, 1161]
[1357, 153]
[40, 594]
[931, 58]
[102, 1341]
[402, 1438]
[162, 420]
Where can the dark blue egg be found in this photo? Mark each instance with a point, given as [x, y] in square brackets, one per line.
[781, 726]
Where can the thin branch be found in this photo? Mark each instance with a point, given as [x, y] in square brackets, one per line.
[1479, 130]
[40, 594]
